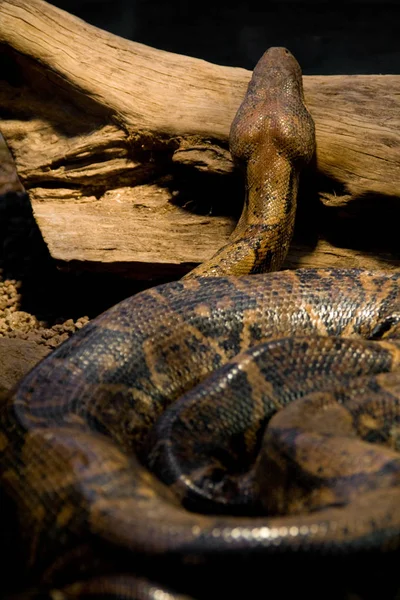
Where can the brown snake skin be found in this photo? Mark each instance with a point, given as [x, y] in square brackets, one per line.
[186, 380]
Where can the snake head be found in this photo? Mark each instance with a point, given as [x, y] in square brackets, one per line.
[273, 119]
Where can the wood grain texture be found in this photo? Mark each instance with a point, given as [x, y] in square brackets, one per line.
[121, 146]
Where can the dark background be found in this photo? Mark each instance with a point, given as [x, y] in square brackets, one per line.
[327, 37]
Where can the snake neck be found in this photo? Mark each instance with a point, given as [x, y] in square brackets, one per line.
[261, 239]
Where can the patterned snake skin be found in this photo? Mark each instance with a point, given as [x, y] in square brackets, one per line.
[155, 435]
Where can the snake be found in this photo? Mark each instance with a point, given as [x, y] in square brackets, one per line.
[238, 414]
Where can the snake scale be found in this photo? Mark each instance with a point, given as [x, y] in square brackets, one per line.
[228, 415]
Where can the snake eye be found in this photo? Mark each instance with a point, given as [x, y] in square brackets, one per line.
[386, 328]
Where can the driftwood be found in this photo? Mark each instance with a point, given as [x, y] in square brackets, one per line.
[123, 150]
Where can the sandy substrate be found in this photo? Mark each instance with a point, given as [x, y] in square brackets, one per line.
[24, 339]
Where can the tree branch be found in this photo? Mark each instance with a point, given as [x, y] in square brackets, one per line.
[121, 146]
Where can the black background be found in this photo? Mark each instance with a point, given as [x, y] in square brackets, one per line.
[353, 36]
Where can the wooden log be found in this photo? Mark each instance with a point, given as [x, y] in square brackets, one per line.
[124, 150]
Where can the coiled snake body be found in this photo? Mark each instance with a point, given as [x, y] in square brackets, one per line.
[187, 380]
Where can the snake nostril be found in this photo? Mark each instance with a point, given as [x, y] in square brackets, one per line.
[384, 327]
